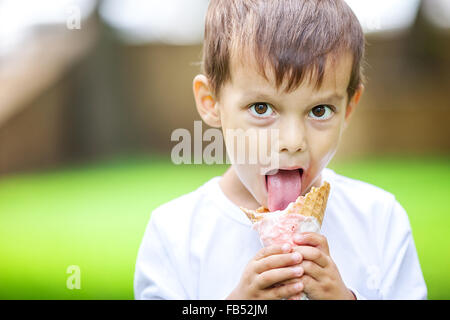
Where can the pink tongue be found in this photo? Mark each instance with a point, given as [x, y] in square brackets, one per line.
[283, 188]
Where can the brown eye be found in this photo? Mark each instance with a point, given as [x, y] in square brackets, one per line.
[318, 111]
[321, 112]
[261, 109]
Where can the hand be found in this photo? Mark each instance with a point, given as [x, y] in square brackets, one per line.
[271, 265]
[321, 279]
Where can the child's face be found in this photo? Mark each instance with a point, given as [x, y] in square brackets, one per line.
[309, 121]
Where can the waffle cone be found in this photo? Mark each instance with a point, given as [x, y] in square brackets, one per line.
[313, 204]
[255, 215]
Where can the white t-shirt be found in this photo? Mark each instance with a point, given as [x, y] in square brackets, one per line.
[197, 246]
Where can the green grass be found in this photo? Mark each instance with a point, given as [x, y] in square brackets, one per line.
[94, 217]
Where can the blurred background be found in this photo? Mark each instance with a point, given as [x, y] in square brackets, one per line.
[90, 92]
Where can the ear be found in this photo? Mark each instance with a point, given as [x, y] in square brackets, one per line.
[207, 107]
[353, 103]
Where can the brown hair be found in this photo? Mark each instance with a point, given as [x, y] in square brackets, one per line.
[294, 37]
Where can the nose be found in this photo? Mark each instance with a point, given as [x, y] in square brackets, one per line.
[292, 136]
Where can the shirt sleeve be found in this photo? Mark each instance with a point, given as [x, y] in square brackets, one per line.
[401, 276]
[155, 274]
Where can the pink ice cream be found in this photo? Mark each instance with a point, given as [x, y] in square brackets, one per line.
[279, 227]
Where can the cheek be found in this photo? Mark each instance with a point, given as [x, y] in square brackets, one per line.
[246, 173]
[232, 117]
[324, 145]
[249, 151]
[254, 182]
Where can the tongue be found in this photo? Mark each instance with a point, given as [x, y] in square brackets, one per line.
[283, 188]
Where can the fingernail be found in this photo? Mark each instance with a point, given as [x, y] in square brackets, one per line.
[296, 256]
[285, 247]
[298, 270]
[298, 238]
[298, 286]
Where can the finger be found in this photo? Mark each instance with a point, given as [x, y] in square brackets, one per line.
[312, 269]
[308, 283]
[277, 261]
[312, 239]
[289, 281]
[283, 292]
[313, 254]
[273, 276]
[274, 249]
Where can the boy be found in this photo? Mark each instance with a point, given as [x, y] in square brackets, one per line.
[293, 66]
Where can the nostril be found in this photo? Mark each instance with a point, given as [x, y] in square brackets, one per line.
[291, 150]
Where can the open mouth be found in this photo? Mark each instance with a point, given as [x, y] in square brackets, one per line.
[283, 187]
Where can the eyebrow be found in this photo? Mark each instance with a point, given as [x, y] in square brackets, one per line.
[256, 96]
[330, 97]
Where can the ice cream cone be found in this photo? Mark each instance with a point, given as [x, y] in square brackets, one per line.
[313, 204]
[255, 215]
[304, 215]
